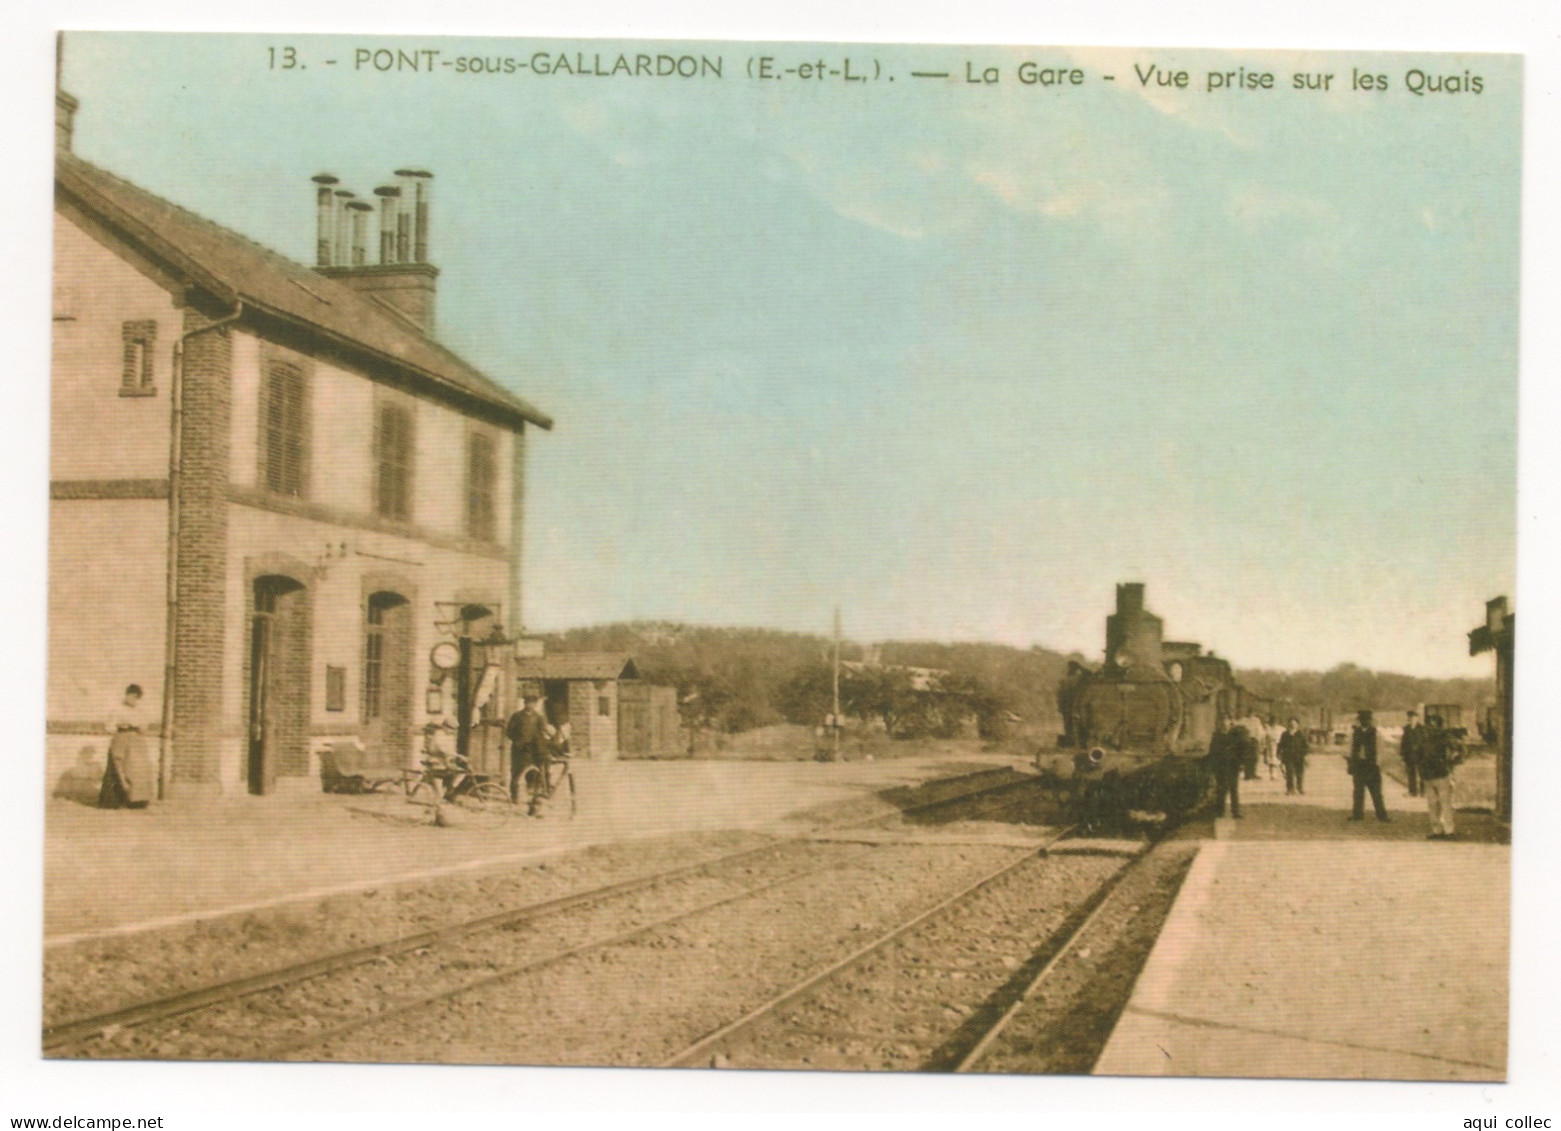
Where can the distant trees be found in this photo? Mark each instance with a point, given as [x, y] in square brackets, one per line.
[1350, 688]
[735, 679]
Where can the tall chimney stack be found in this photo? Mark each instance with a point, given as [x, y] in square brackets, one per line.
[416, 190]
[342, 255]
[398, 276]
[65, 106]
[324, 208]
[389, 200]
[359, 211]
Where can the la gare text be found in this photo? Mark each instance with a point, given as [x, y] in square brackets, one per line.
[1416, 81]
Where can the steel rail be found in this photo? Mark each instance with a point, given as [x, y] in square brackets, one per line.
[1096, 904]
[711, 1040]
[64, 1034]
[409, 1005]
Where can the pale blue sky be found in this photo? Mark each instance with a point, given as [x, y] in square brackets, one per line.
[955, 358]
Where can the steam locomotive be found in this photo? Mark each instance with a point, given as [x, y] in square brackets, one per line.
[1137, 728]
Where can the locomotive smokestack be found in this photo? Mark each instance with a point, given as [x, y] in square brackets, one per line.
[324, 209]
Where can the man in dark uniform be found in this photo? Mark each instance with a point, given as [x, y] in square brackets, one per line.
[1411, 749]
[1227, 751]
[526, 731]
[1068, 692]
[1292, 755]
[1364, 769]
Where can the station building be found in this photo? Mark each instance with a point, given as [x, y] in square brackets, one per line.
[273, 492]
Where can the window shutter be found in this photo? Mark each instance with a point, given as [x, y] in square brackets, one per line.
[480, 473]
[286, 430]
[393, 455]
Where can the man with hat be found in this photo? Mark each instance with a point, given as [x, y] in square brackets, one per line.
[1227, 753]
[1364, 769]
[526, 731]
[1411, 746]
[1292, 755]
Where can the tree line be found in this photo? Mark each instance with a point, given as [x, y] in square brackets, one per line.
[736, 679]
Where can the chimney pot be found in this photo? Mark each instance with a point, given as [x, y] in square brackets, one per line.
[390, 201]
[324, 206]
[416, 189]
[341, 255]
[358, 210]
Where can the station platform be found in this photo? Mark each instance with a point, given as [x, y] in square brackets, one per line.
[1304, 945]
[119, 871]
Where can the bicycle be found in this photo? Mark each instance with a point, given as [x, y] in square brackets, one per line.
[451, 782]
[550, 785]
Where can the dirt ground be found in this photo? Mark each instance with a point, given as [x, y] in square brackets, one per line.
[111, 869]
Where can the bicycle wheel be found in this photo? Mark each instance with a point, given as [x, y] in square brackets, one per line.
[487, 799]
[534, 786]
[423, 791]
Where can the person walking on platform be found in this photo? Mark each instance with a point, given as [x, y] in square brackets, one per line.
[1227, 752]
[1253, 728]
[1364, 769]
[1292, 756]
[1438, 757]
[1268, 745]
[1411, 748]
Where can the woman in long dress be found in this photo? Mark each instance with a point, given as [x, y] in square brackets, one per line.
[127, 779]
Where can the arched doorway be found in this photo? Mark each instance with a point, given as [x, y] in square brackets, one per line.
[278, 681]
[387, 679]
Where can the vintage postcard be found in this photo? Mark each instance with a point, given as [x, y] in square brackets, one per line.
[738, 555]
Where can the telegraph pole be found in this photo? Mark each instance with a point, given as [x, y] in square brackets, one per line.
[835, 718]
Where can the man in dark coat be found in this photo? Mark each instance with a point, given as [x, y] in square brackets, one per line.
[1292, 756]
[526, 731]
[1411, 748]
[1068, 692]
[1227, 752]
[1364, 769]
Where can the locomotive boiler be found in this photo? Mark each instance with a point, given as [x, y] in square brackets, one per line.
[1152, 698]
[1136, 727]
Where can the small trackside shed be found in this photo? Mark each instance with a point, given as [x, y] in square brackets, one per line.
[582, 689]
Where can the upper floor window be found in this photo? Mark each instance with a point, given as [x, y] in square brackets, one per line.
[393, 459]
[137, 372]
[284, 429]
[481, 486]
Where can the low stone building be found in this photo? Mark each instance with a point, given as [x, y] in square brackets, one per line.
[609, 709]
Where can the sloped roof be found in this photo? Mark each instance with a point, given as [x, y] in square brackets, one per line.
[577, 665]
[234, 268]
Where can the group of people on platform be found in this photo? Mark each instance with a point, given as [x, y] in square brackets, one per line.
[1239, 744]
[1429, 753]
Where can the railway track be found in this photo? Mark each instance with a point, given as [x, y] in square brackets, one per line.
[940, 993]
[385, 973]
